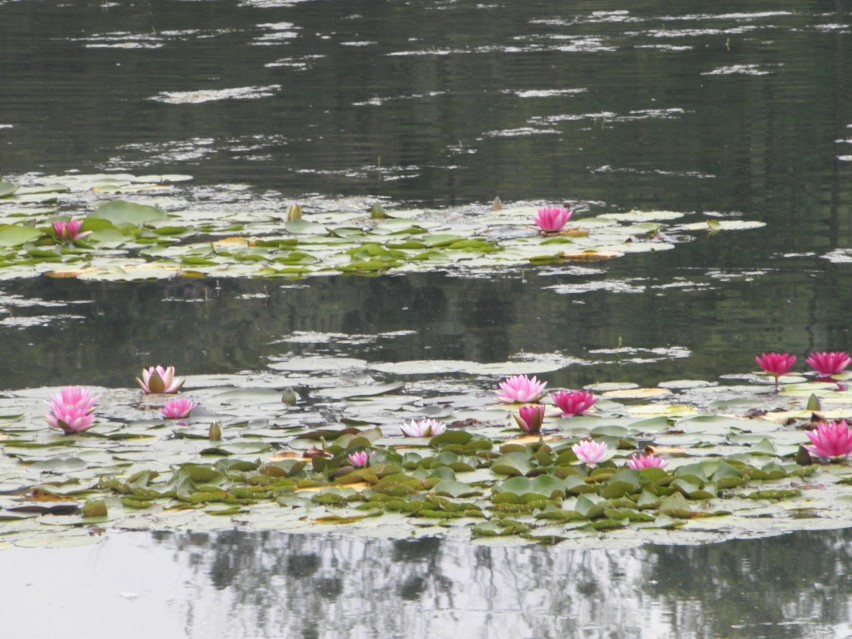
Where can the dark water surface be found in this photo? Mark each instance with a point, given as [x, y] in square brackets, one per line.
[733, 109]
[734, 112]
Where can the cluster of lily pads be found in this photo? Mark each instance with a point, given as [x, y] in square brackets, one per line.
[130, 240]
[585, 467]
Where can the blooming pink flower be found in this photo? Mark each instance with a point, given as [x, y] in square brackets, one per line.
[590, 452]
[828, 364]
[423, 428]
[573, 403]
[520, 389]
[71, 410]
[69, 231]
[640, 462]
[157, 379]
[529, 418]
[178, 408]
[832, 439]
[776, 364]
[360, 459]
[552, 219]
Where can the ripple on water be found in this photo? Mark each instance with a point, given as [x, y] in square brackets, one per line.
[212, 95]
[544, 93]
[297, 63]
[276, 33]
[154, 40]
[377, 101]
[738, 69]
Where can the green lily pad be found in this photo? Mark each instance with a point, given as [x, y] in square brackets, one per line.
[13, 235]
[122, 214]
[7, 188]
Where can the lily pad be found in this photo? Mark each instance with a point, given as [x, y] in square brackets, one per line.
[123, 214]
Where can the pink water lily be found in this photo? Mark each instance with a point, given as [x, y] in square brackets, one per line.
[69, 231]
[360, 459]
[590, 452]
[832, 439]
[178, 408]
[574, 402]
[530, 418]
[776, 364]
[552, 219]
[423, 428]
[71, 410]
[828, 364]
[640, 462]
[520, 389]
[157, 379]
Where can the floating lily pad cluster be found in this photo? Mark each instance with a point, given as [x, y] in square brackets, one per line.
[280, 459]
[163, 233]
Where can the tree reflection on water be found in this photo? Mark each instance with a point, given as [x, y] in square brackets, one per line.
[271, 584]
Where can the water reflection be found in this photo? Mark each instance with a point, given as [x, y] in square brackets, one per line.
[268, 584]
[56, 331]
[421, 587]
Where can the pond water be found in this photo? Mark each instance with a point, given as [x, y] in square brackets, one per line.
[730, 111]
[278, 585]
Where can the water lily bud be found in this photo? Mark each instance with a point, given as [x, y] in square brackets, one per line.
[813, 404]
[294, 212]
[289, 396]
[378, 213]
[215, 432]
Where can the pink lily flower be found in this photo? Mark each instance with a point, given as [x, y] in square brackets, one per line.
[640, 462]
[520, 389]
[590, 452]
[423, 428]
[157, 380]
[573, 403]
[530, 418]
[178, 408]
[828, 364]
[71, 410]
[832, 439]
[776, 364]
[69, 231]
[552, 219]
[360, 459]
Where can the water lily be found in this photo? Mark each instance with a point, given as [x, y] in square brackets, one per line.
[157, 380]
[520, 389]
[828, 364]
[640, 462]
[69, 231]
[178, 408]
[832, 439]
[590, 452]
[573, 403]
[71, 410]
[776, 364]
[423, 428]
[360, 459]
[552, 219]
[530, 418]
